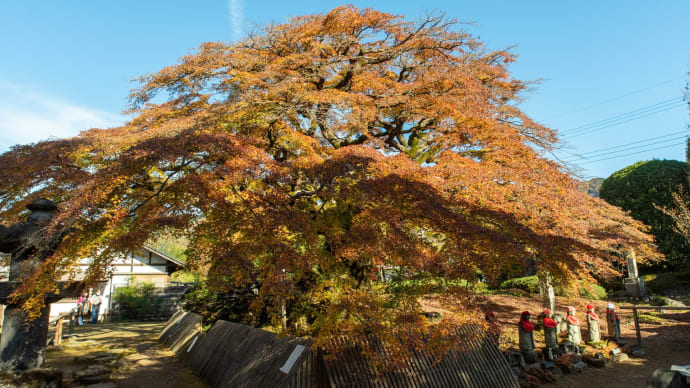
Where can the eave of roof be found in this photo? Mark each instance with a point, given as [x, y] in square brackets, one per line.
[163, 255]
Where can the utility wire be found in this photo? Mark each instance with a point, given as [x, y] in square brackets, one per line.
[626, 115]
[633, 153]
[627, 120]
[627, 144]
[616, 98]
[629, 148]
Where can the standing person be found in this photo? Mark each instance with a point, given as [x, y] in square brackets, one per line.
[86, 309]
[95, 301]
[81, 305]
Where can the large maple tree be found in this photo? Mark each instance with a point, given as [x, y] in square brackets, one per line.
[308, 156]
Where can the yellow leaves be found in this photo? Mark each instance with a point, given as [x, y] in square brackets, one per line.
[310, 156]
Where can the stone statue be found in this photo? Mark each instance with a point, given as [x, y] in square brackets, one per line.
[526, 338]
[550, 335]
[560, 321]
[593, 324]
[574, 335]
[613, 321]
[23, 342]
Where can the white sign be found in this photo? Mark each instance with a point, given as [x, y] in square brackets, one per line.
[292, 359]
[192, 345]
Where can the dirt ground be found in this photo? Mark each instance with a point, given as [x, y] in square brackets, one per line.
[136, 359]
[130, 351]
[665, 337]
[667, 342]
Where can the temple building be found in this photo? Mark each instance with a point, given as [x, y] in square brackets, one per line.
[140, 266]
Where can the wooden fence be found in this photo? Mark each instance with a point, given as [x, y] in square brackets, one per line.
[478, 363]
[234, 355]
[635, 308]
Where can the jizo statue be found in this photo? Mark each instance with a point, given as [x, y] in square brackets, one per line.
[593, 324]
[574, 335]
[22, 344]
[613, 321]
[550, 329]
[526, 337]
[550, 335]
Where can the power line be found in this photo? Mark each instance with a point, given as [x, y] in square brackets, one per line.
[615, 98]
[627, 144]
[678, 101]
[625, 115]
[633, 153]
[626, 121]
[630, 148]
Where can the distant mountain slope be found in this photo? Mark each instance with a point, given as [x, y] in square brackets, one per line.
[591, 186]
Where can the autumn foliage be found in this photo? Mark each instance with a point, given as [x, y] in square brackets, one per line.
[309, 156]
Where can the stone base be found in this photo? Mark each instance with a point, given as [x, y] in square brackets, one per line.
[32, 378]
[637, 352]
[550, 354]
[569, 348]
[515, 359]
[571, 363]
[634, 287]
[598, 361]
[22, 344]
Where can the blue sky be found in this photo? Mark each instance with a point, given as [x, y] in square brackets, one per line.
[67, 66]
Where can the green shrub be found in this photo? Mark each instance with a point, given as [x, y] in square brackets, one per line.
[643, 187]
[528, 283]
[592, 291]
[233, 305]
[657, 301]
[662, 281]
[431, 286]
[183, 276]
[649, 318]
[137, 301]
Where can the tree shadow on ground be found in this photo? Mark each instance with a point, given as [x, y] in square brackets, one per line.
[665, 338]
[144, 361]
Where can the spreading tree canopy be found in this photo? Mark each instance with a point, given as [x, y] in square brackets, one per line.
[308, 156]
[644, 189]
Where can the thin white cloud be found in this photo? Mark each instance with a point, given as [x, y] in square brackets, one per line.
[236, 18]
[29, 116]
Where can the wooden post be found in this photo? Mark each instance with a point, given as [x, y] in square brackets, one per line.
[58, 331]
[72, 318]
[637, 327]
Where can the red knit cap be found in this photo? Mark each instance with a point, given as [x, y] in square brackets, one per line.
[590, 307]
[547, 312]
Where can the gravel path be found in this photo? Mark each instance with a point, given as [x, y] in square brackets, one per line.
[119, 355]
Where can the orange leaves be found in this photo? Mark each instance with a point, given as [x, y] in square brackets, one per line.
[307, 158]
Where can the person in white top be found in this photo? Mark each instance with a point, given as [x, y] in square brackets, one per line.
[95, 301]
